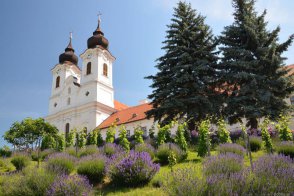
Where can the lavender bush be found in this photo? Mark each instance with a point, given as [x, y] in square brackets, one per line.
[110, 149]
[88, 150]
[223, 164]
[145, 148]
[135, 169]
[93, 167]
[60, 163]
[74, 185]
[183, 182]
[163, 152]
[286, 148]
[232, 148]
[273, 174]
[255, 143]
[20, 160]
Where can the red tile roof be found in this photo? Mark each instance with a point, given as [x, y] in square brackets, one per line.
[290, 68]
[119, 106]
[127, 115]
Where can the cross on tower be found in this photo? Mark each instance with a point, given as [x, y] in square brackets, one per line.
[99, 18]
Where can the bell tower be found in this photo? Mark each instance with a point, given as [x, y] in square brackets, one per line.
[96, 76]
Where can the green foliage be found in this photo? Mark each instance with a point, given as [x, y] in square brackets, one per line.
[100, 141]
[139, 135]
[123, 140]
[81, 139]
[266, 138]
[172, 160]
[92, 138]
[60, 142]
[29, 132]
[20, 161]
[164, 134]
[180, 139]
[152, 132]
[48, 142]
[223, 133]
[231, 148]
[110, 134]
[164, 150]
[88, 150]
[252, 68]
[255, 144]
[283, 128]
[33, 182]
[5, 165]
[204, 138]
[5, 151]
[94, 169]
[145, 148]
[286, 148]
[60, 163]
[183, 84]
[70, 138]
[41, 155]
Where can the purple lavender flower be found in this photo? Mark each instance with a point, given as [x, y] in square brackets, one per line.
[110, 149]
[134, 169]
[60, 163]
[74, 185]
[232, 148]
[226, 164]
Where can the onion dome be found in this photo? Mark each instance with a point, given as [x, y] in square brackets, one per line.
[98, 38]
[68, 55]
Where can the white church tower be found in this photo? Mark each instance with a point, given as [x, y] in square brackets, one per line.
[82, 98]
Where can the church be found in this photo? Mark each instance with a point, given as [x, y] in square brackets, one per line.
[83, 98]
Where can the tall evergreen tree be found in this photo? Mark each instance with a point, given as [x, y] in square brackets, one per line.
[184, 83]
[251, 67]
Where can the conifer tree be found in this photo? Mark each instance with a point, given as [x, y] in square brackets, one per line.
[184, 83]
[251, 67]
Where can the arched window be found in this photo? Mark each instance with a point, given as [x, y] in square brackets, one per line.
[68, 101]
[105, 70]
[88, 68]
[57, 81]
[66, 130]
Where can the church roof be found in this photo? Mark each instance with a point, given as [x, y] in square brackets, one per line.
[127, 115]
[119, 106]
[291, 69]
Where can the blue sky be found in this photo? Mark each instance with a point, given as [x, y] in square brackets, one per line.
[34, 33]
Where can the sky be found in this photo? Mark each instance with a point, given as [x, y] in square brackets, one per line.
[34, 33]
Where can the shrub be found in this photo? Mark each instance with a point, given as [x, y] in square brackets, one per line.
[286, 148]
[71, 151]
[223, 164]
[100, 141]
[93, 167]
[92, 138]
[20, 161]
[283, 128]
[33, 182]
[74, 185]
[255, 143]
[110, 134]
[164, 150]
[180, 137]
[60, 163]
[273, 174]
[164, 134]
[231, 148]
[43, 154]
[223, 133]
[145, 148]
[123, 141]
[5, 152]
[135, 169]
[5, 166]
[81, 139]
[204, 140]
[110, 149]
[138, 133]
[266, 138]
[88, 150]
[60, 142]
[183, 182]
[69, 138]
[48, 142]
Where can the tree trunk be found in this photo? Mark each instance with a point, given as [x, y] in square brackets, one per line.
[253, 123]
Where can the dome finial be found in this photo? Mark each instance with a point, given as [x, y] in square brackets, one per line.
[69, 46]
[99, 19]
